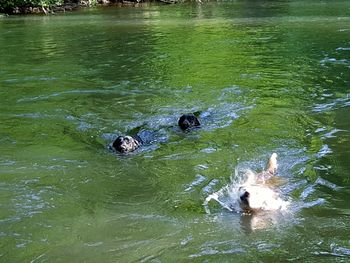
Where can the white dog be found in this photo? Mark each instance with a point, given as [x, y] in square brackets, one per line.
[252, 194]
[255, 194]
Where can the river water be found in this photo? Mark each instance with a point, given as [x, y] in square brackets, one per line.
[264, 76]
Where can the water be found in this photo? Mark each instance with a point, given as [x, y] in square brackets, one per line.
[265, 76]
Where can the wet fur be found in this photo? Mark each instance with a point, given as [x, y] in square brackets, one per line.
[126, 144]
[188, 121]
[256, 195]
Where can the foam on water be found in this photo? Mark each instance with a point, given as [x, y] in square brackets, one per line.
[262, 196]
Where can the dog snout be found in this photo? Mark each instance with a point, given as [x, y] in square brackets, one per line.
[123, 148]
[244, 197]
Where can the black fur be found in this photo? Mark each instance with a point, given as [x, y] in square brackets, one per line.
[244, 201]
[188, 121]
[126, 144]
[244, 198]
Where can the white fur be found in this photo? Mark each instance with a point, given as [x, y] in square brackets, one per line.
[262, 197]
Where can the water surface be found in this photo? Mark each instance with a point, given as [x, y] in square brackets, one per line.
[265, 76]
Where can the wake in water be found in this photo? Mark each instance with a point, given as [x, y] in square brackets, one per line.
[251, 192]
[256, 196]
[267, 196]
[262, 197]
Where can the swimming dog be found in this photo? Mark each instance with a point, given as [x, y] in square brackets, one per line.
[188, 121]
[126, 144]
[255, 194]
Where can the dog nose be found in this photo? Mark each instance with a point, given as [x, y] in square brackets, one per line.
[244, 196]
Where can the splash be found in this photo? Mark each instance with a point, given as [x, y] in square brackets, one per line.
[263, 196]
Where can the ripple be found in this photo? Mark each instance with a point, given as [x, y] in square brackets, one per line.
[230, 92]
[307, 192]
[317, 202]
[329, 60]
[325, 150]
[340, 250]
[209, 188]
[201, 167]
[222, 115]
[208, 150]
[266, 246]
[336, 103]
[31, 78]
[57, 94]
[326, 133]
[212, 251]
[324, 182]
[6, 162]
[34, 116]
[335, 251]
[38, 258]
[343, 49]
[310, 189]
[186, 240]
[95, 244]
[84, 126]
[197, 181]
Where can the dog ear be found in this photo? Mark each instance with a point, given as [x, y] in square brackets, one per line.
[117, 142]
[196, 121]
[197, 113]
[137, 129]
[137, 139]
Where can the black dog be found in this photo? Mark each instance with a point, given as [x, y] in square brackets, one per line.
[126, 144]
[188, 121]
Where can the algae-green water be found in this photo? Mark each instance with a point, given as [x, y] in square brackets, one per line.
[263, 77]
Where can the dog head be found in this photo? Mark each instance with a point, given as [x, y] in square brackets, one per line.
[125, 144]
[254, 198]
[188, 121]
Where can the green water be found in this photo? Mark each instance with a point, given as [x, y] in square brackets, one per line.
[265, 76]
